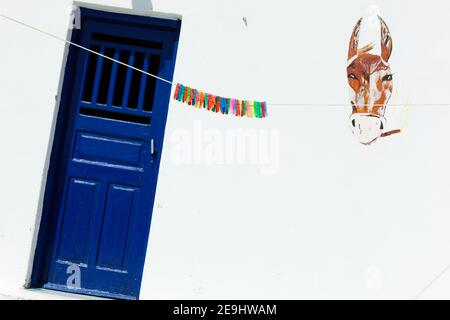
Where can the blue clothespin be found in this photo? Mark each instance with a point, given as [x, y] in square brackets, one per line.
[194, 99]
[180, 93]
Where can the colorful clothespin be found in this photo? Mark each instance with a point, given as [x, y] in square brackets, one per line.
[196, 98]
[239, 108]
[180, 93]
[185, 93]
[211, 100]
[199, 99]
[251, 109]
[189, 94]
[231, 106]
[202, 102]
[255, 109]
[264, 109]
[217, 105]
[206, 101]
[194, 92]
[223, 105]
[177, 89]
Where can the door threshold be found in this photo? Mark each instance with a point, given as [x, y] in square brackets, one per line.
[93, 294]
[43, 294]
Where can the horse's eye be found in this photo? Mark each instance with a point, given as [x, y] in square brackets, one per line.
[381, 126]
[387, 77]
[351, 76]
[353, 123]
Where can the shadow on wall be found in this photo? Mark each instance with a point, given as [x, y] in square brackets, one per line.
[142, 4]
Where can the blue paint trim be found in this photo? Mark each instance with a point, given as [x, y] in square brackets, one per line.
[55, 175]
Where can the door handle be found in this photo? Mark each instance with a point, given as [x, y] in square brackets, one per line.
[152, 147]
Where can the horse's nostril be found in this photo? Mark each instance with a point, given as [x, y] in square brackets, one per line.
[353, 123]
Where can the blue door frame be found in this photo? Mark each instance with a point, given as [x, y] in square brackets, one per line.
[105, 157]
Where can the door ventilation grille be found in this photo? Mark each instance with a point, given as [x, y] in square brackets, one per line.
[126, 93]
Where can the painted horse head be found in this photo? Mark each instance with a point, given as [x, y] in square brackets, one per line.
[370, 80]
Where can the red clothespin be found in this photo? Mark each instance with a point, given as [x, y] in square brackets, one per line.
[211, 100]
[191, 97]
[177, 90]
[185, 94]
[217, 104]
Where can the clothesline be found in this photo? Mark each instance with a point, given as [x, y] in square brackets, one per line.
[175, 83]
[349, 105]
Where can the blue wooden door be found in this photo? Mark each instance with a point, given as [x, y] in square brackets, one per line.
[111, 151]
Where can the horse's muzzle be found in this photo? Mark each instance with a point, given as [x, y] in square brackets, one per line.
[367, 127]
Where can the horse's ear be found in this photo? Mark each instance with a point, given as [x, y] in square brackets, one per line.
[354, 41]
[386, 41]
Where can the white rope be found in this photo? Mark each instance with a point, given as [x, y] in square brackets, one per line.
[348, 105]
[172, 83]
[84, 48]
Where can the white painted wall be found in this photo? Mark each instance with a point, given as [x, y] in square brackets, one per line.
[316, 215]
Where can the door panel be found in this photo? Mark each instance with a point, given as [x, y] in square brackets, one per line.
[118, 218]
[109, 150]
[102, 212]
[79, 209]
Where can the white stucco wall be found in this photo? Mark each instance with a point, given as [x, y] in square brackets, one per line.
[316, 215]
